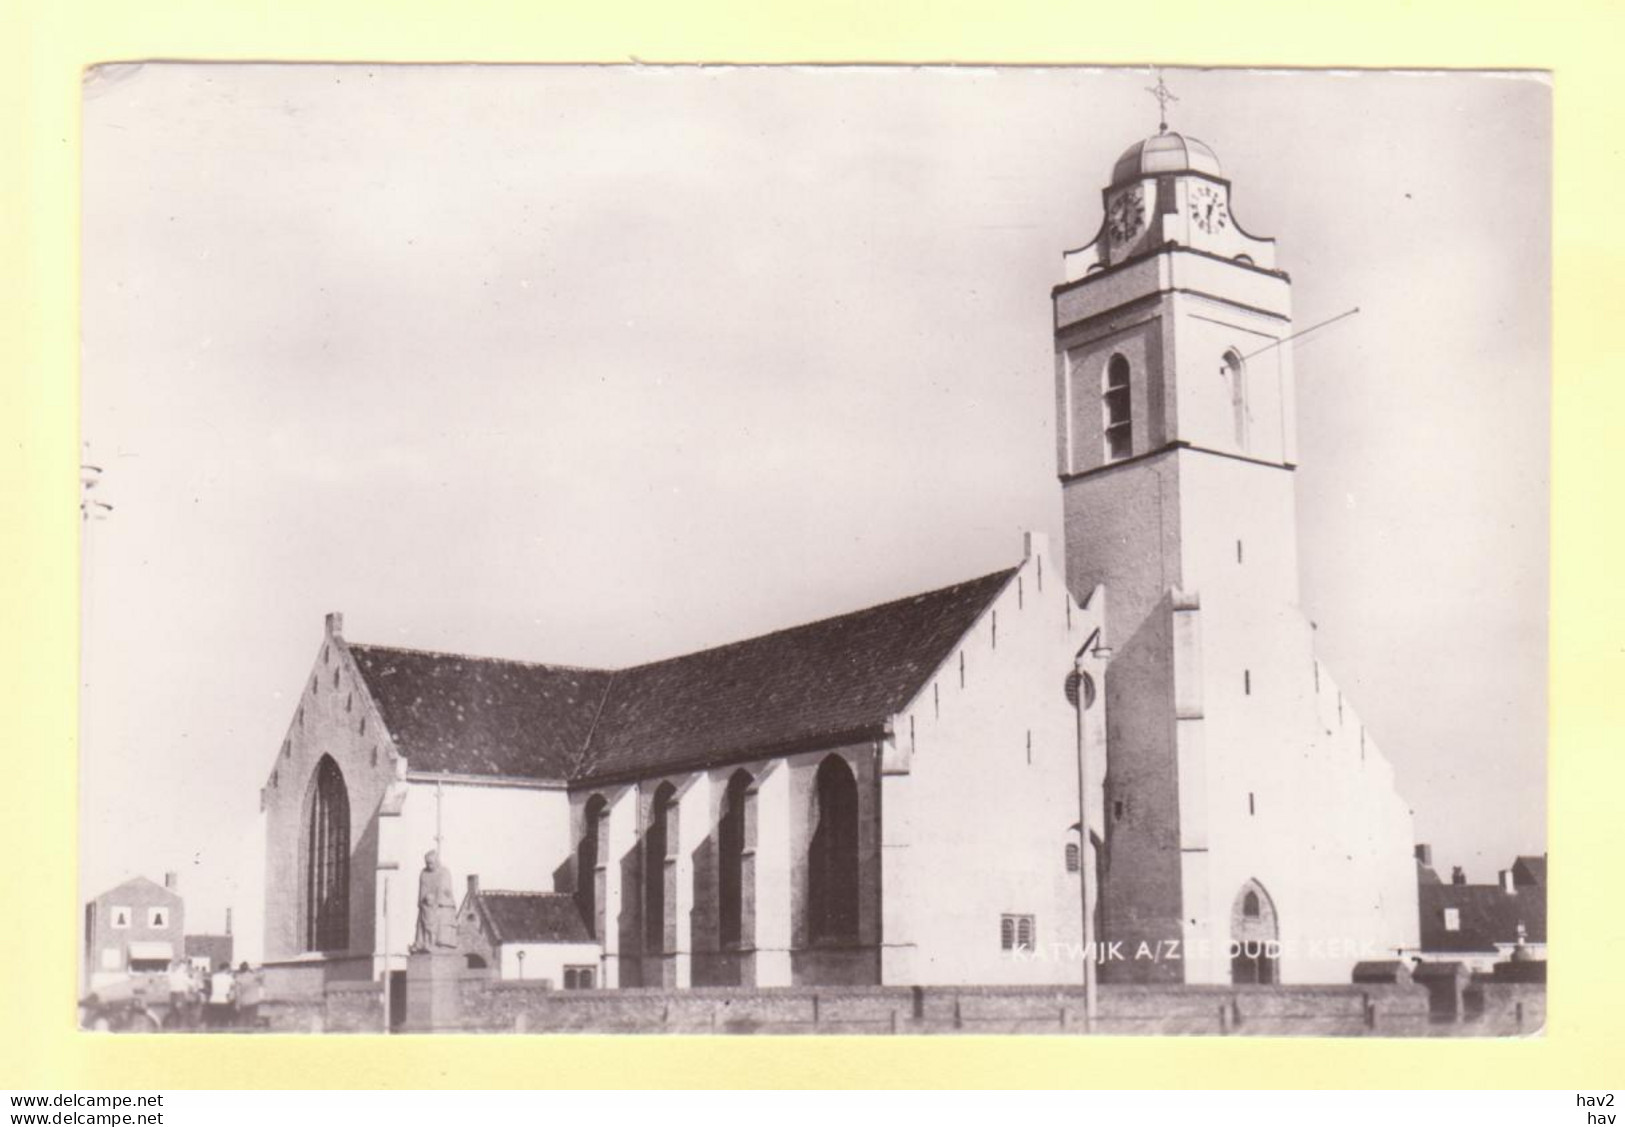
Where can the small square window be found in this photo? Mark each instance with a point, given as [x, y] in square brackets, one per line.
[1016, 933]
[157, 917]
[120, 918]
[1452, 919]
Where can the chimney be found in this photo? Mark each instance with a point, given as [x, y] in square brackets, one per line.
[1457, 876]
[473, 884]
[1506, 883]
[335, 625]
[1424, 854]
[228, 921]
[1034, 544]
[171, 880]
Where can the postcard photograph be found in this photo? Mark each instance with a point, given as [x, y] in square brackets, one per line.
[768, 549]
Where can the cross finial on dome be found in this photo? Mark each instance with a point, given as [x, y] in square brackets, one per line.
[1163, 95]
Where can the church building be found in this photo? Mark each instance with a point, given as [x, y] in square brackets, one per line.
[893, 795]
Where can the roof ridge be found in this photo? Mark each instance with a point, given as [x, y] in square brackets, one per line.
[521, 892]
[1003, 573]
[483, 657]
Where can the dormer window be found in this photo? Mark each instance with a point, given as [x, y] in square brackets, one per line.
[1117, 412]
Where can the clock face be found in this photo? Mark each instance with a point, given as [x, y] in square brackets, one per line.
[1126, 216]
[1207, 208]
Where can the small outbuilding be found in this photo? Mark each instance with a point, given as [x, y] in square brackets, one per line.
[529, 935]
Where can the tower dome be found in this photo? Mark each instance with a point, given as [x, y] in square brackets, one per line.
[1161, 153]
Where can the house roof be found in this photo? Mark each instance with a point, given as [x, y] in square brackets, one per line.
[139, 886]
[1488, 916]
[1529, 871]
[531, 917]
[805, 686]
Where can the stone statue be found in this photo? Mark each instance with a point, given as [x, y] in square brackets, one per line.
[437, 907]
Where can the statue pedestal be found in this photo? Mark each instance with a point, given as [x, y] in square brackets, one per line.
[432, 979]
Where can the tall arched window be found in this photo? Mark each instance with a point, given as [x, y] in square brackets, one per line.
[832, 858]
[589, 856]
[733, 829]
[327, 860]
[1236, 379]
[657, 842]
[1117, 412]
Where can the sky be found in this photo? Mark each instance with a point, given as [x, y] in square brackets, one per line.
[595, 365]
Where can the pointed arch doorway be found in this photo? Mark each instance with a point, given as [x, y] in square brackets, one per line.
[1255, 938]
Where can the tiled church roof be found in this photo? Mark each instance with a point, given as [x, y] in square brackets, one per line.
[480, 716]
[802, 687]
[795, 687]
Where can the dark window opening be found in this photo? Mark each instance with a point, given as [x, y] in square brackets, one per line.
[1118, 410]
[1072, 857]
[327, 876]
[656, 849]
[587, 861]
[832, 862]
[731, 848]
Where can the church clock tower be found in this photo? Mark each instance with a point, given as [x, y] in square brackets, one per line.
[1176, 453]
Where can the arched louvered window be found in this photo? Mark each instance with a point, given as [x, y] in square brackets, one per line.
[1117, 411]
[1235, 377]
[1249, 905]
[832, 861]
[657, 842]
[1071, 856]
[733, 830]
[327, 861]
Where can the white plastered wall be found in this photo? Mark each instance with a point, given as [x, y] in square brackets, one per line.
[974, 825]
[1298, 795]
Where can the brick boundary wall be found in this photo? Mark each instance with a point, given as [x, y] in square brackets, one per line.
[1368, 1010]
[1381, 1010]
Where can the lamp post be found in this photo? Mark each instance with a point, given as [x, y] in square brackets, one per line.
[389, 1018]
[1080, 690]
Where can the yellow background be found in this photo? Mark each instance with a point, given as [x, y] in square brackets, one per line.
[43, 47]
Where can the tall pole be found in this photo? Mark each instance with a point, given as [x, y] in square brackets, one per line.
[437, 801]
[387, 1014]
[1080, 694]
